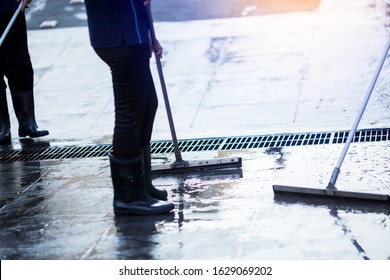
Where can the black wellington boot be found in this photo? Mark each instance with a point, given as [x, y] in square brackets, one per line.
[152, 190]
[23, 102]
[5, 125]
[130, 194]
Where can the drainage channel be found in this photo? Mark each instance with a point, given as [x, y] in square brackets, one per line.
[203, 144]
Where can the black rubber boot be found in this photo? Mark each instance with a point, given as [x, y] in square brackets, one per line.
[25, 113]
[152, 190]
[5, 125]
[130, 195]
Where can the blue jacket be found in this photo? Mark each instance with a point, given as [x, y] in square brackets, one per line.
[8, 6]
[114, 23]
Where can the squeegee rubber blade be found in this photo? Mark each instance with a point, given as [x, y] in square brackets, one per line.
[329, 193]
[200, 165]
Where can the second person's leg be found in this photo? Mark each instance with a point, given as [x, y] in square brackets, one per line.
[19, 72]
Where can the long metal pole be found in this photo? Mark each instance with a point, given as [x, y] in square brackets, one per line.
[179, 160]
[351, 135]
[11, 22]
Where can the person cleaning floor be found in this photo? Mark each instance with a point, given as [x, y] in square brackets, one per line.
[119, 34]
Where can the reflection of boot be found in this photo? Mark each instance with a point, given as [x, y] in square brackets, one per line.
[130, 195]
[24, 110]
[152, 190]
[5, 134]
[135, 235]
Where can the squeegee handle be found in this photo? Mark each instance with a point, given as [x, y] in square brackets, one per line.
[11, 22]
[351, 134]
[163, 86]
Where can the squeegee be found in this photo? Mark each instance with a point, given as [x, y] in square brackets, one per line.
[331, 191]
[11, 22]
[180, 165]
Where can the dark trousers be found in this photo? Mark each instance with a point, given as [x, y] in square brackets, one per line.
[15, 62]
[135, 97]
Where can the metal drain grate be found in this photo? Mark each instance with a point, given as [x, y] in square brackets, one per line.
[55, 153]
[194, 145]
[304, 139]
[205, 144]
[273, 141]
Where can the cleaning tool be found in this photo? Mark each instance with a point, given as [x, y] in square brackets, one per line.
[181, 165]
[11, 22]
[331, 191]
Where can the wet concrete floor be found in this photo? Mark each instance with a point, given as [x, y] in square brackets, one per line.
[63, 210]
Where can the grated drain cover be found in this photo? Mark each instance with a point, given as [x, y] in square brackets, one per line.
[204, 144]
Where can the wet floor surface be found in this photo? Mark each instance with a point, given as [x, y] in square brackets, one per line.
[63, 210]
